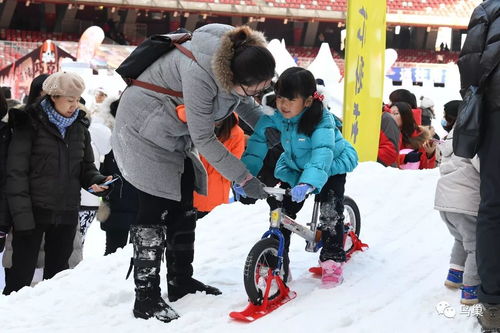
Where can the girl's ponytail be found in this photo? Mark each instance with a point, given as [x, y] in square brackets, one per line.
[311, 118]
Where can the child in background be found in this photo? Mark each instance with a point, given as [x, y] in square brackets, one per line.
[315, 160]
[457, 200]
[231, 135]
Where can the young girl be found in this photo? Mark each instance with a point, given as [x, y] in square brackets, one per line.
[413, 137]
[316, 158]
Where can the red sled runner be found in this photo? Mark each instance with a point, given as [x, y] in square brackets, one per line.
[253, 312]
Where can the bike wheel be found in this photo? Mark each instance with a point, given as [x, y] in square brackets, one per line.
[352, 220]
[261, 261]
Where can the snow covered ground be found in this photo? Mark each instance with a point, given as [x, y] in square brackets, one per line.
[393, 287]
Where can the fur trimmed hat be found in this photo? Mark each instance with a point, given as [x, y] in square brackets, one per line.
[64, 84]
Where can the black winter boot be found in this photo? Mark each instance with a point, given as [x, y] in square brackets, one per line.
[180, 255]
[149, 244]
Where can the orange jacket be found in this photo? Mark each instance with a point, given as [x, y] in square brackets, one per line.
[218, 186]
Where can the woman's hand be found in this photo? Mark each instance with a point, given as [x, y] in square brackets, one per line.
[430, 148]
[100, 188]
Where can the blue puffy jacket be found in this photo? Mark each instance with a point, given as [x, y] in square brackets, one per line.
[309, 160]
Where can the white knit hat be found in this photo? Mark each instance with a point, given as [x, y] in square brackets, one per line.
[426, 102]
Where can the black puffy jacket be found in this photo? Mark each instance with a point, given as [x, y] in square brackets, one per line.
[123, 203]
[481, 53]
[4, 143]
[46, 171]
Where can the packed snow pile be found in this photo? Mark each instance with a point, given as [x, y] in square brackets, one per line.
[394, 286]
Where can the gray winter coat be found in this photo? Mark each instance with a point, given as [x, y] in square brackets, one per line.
[457, 190]
[150, 143]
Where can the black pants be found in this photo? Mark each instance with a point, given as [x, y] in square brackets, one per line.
[333, 192]
[488, 220]
[179, 217]
[25, 247]
[115, 238]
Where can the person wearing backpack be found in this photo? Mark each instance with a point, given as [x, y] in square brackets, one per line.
[158, 153]
[49, 159]
[479, 57]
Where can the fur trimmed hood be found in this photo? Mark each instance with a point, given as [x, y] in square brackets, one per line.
[221, 62]
[213, 47]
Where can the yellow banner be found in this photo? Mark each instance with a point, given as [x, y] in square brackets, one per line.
[364, 75]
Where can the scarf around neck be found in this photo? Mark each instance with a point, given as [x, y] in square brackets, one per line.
[61, 122]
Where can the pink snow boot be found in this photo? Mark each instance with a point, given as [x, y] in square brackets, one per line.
[331, 273]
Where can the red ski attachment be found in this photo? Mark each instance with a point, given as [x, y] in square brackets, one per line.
[357, 245]
[253, 312]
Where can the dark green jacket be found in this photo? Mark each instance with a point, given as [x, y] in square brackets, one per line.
[46, 171]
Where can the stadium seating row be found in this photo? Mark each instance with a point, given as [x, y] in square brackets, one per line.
[35, 36]
[419, 7]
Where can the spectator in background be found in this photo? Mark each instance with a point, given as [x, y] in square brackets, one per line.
[427, 107]
[36, 90]
[5, 134]
[100, 95]
[403, 95]
[450, 114]
[414, 138]
[388, 147]
[479, 57]
[11, 103]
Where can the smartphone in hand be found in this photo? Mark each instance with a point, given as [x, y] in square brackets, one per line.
[103, 184]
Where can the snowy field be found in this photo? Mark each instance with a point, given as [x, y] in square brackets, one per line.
[392, 287]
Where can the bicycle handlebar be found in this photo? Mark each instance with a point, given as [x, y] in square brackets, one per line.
[276, 190]
[282, 191]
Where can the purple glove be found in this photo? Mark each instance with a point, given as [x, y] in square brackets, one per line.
[251, 188]
[300, 191]
[239, 192]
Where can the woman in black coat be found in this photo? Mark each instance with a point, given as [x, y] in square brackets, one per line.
[50, 158]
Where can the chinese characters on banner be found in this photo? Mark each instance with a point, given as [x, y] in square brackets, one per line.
[364, 75]
[46, 59]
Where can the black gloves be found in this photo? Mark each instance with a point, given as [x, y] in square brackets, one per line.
[413, 156]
